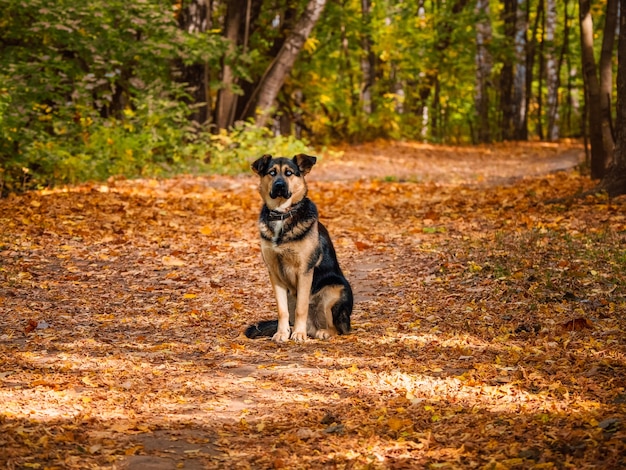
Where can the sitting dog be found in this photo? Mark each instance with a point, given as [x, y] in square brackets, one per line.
[312, 294]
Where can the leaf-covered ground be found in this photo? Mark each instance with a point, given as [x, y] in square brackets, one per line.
[488, 329]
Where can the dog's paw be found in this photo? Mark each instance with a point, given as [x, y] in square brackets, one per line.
[281, 337]
[325, 334]
[299, 336]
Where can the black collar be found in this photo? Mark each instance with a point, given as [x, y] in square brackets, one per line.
[277, 215]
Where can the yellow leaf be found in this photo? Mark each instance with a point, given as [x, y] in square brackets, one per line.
[87, 381]
[133, 450]
[395, 424]
[206, 230]
[189, 296]
[172, 261]
[310, 45]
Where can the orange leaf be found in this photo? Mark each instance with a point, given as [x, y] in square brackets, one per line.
[577, 324]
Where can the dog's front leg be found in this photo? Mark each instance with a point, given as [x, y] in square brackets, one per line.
[302, 306]
[283, 314]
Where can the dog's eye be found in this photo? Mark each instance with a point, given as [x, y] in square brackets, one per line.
[272, 172]
[288, 172]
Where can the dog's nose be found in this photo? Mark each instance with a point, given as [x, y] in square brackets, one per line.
[279, 189]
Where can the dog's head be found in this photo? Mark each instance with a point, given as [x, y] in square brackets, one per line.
[282, 179]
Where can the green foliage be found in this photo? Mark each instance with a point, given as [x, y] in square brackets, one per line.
[94, 89]
[88, 91]
[424, 59]
[232, 151]
[415, 52]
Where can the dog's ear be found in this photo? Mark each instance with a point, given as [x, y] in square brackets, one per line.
[260, 166]
[304, 162]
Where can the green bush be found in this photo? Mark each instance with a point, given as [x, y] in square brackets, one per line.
[233, 151]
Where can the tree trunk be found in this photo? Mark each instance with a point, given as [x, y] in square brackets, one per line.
[368, 60]
[195, 18]
[520, 96]
[281, 66]
[606, 80]
[614, 181]
[540, 74]
[552, 75]
[531, 53]
[563, 56]
[483, 70]
[435, 109]
[592, 95]
[347, 71]
[509, 17]
[237, 14]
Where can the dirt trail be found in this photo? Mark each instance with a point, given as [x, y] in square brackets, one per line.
[487, 164]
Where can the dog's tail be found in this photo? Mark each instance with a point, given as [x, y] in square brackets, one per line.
[342, 321]
[263, 328]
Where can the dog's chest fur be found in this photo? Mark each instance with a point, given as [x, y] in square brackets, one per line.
[290, 245]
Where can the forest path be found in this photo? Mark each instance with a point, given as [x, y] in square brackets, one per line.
[488, 327]
[494, 164]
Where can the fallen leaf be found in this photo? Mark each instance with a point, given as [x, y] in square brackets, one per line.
[577, 324]
[172, 261]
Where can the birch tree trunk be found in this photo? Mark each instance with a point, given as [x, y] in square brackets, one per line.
[281, 66]
[552, 75]
[541, 20]
[368, 60]
[592, 86]
[509, 18]
[519, 102]
[614, 182]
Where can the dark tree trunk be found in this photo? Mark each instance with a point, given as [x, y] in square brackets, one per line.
[483, 62]
[530, 63]
[592, 95]
[195, 18]
[237, 18]
[606, 79]
[614, 181]
[552, 73]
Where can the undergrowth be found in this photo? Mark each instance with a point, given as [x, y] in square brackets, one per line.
[139, 146]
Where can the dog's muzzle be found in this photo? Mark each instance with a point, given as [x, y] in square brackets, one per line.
[280, 189]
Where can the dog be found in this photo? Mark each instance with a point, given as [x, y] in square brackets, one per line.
[313, 296]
